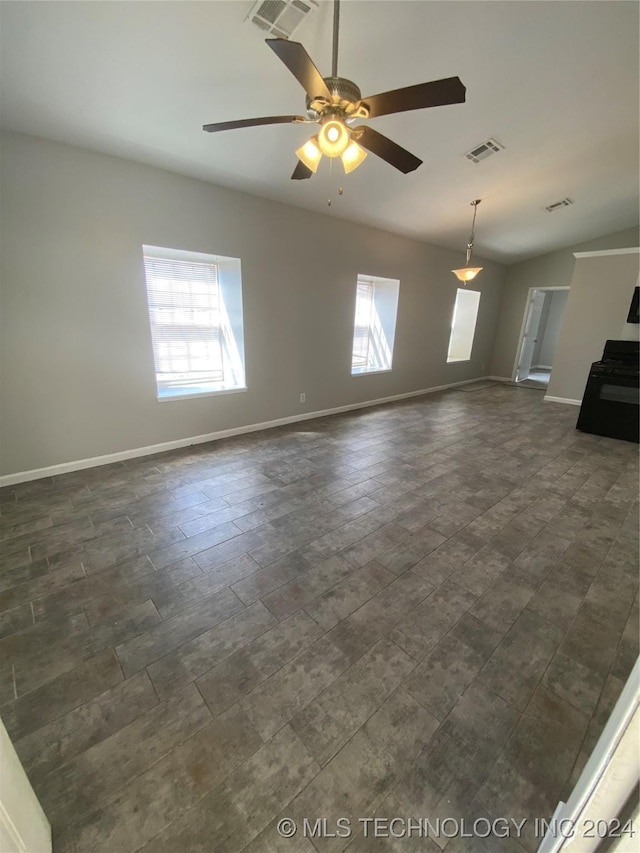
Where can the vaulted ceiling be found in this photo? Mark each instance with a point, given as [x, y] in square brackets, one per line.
[556, 83]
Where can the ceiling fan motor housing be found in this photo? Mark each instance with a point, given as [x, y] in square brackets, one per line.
[345, 99]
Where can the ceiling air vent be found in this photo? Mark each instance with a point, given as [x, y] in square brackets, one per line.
[484, 150]
[280, 17]
[558, 204]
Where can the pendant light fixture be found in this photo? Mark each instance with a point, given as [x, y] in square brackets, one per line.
[469, 273]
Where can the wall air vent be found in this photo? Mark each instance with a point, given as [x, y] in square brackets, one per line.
[280, 18]
[558, 204]
[484, 150]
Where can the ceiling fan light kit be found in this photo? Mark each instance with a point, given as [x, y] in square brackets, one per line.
[335, 103]
[310, 154]
[468, 273]
[334, 137]
[352, 157]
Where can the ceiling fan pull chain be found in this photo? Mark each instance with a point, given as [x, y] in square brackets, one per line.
[340, 189]
[330, 177]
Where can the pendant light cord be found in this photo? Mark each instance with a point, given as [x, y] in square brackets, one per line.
[473, 227]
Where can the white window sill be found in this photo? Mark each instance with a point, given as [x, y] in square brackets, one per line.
[172, 398]
[369, 372]
[458, 360]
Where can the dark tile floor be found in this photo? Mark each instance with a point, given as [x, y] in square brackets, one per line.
[424, 610]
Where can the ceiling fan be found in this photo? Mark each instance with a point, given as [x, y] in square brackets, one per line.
[336, 103]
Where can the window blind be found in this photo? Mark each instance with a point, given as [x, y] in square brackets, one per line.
[374, 324]
[184, 310]
[362, 326]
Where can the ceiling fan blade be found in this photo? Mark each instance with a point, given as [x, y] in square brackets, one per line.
[301, 172]
[387, 149]
[251, 122]
[300, 64]
[437, 93]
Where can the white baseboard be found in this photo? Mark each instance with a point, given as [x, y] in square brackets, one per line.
[120, 456]
[566, 400]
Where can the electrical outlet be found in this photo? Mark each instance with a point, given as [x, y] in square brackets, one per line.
[303, 398]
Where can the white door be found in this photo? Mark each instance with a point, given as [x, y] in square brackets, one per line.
[529, 338]
[23, 825]
[597, 805]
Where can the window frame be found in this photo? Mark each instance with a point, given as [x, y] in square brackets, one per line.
[390, 292]
[463, 290]
[229, 332]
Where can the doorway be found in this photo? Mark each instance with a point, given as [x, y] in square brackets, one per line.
[541, 326]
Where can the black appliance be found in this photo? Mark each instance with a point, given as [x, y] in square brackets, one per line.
[611, 402]
[634, 310]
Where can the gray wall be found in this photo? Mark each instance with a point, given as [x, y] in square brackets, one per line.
[598, 303]
[77, 364]
[551, 270]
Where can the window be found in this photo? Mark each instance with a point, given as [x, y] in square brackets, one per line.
[375, 324]
[463, 325]
[195, 310]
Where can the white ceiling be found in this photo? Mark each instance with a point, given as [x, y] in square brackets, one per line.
[555, 82]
